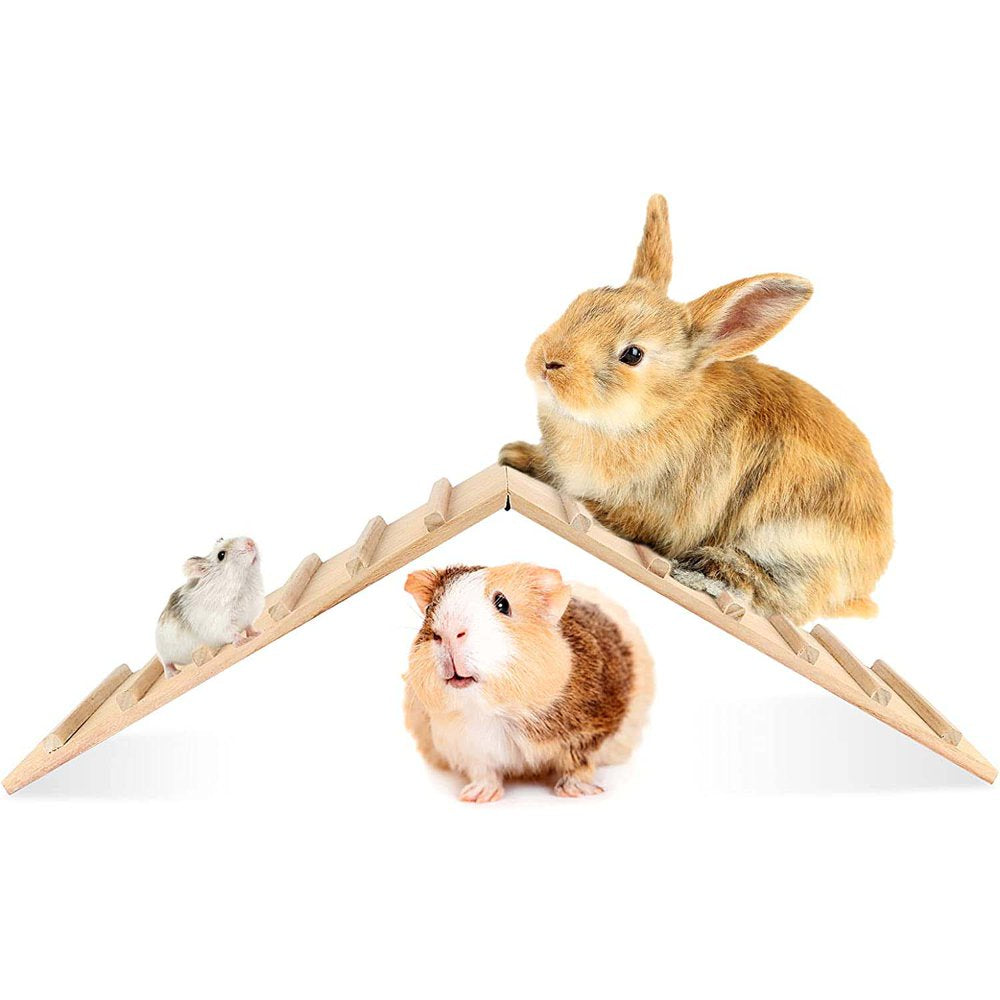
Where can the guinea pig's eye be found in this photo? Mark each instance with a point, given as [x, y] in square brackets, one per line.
[222, 555]
[632, 355]
[437, 638]
[501, 603]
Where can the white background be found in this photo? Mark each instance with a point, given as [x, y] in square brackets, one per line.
[274, 268]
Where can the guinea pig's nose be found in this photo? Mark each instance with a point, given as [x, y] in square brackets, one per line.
[553, 365]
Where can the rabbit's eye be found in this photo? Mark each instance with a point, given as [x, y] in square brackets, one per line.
[632, 355]
[222, 555]
[501, 603]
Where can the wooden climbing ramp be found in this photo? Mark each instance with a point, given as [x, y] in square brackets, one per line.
[315, 586]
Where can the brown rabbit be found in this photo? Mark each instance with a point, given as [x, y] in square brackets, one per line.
[654, 416]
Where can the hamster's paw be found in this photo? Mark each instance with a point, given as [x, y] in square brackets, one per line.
[483, 790]
[241, 639]
[519, 455]
[251, 632]
[571, 787]
[169, 670]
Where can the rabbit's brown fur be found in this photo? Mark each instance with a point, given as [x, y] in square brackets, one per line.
[732, 468]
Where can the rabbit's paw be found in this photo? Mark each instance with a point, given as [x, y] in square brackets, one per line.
[521, 456]
[696, 580]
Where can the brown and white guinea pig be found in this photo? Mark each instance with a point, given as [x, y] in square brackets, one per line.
[654, 416]
[516, 674]
[218, 605]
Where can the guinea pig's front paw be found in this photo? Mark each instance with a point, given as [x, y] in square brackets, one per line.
[483, 790]
[519, 455]
[571, 787]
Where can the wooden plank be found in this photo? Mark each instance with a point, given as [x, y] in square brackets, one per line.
[366, 546]
[293, 589]
[540, 503]
[203, 654]
[653, 561]
[63, 733]
[861, 675]
[132, 691]
[793, 638]
[577, 516]
[918, 703]
[437, 506]
[729, 606]
[404, 540]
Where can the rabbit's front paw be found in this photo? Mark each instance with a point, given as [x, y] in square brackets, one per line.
[521, 456]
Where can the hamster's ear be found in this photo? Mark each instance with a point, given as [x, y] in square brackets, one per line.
[196, 566]
[555, 593]
[654, 260]
[736, 319]
[421, 586]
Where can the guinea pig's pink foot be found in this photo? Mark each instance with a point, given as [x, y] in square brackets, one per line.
[571, 787]
[484, 790]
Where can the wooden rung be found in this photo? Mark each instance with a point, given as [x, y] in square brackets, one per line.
[60, 736]
[364, 550]
[292, 591]
[653, 561]
[437, 506]
[918, 703]
[861, 675]
[731, 607]
[138, 684]
[793, 638]
[576, 514]
[203, 654]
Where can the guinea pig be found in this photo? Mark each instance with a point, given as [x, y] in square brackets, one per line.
[654, 415]
[218, 605]
[516, 674]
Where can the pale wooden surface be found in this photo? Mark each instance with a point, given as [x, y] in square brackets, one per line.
[918, 703]
[437, 506]
[542, 504]
[367, 545]
[403, 541]
[407, 539]
[729, 606]
[653, 561]
[861, 675]
[202, 655]
[577, 516]
[132, 691]
[794, 638]
[292, 590]
[64, 732]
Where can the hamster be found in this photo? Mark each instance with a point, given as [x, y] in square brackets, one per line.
[517, 674]
[220, 602]
[654, 415]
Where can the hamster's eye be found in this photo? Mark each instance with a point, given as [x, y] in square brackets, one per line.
[501, 603]
[222, 555]
[632, 355]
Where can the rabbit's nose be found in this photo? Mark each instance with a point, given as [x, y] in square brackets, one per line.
[553, 365]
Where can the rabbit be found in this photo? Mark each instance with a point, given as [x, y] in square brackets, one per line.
[516, 674]
[654, 415]
[223, 597]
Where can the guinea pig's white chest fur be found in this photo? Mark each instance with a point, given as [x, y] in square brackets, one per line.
[476, 739]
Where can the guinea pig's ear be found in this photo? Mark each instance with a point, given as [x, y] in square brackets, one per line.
[736, 319]
[421, 586]
[555, 593]
[196, 566]
[654, 260]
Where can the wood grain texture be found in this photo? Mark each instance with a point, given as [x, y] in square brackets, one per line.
[203, 654]
[653, 561]
[729, 606]
[794, 638]
[437, 506]
[918, 703]
[132, 691]
[577, 516]
[64, 732]
[861, 675]
[367, 545]
[542, 504]
[291, 592]
[404, 540]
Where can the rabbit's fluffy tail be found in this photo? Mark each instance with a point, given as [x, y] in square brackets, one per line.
[858, 607]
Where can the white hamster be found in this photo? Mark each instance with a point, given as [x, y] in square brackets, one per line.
[218, 605]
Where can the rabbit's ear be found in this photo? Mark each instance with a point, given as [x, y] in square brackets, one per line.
[736, 319]
[654, 260]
